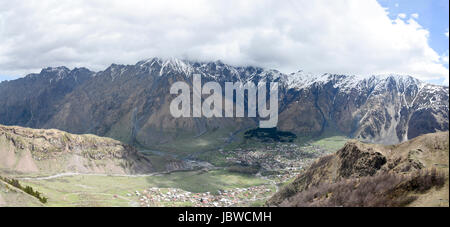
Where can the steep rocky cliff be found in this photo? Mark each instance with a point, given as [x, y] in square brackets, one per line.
[25, 150]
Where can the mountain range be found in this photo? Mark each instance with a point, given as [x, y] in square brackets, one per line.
[130, 103]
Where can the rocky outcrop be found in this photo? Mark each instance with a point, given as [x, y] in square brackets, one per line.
[27, 150]
[357, 162]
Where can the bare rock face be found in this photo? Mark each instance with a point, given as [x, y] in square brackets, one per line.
[27, 150]
[31, 101]
[131, 103]
[356, 162]
[379, 109]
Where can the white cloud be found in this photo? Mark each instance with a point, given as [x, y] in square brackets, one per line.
[346, 36]
[446, 33]
[445, 58]
[402, 15]
[415, 15]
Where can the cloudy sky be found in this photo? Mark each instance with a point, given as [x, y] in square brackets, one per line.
[338, 36]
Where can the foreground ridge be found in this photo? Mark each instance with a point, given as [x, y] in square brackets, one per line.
[414, 173]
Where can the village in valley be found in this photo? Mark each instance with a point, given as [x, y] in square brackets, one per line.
[276, 164]
[176, 197]
[280, 157]
[246, 175]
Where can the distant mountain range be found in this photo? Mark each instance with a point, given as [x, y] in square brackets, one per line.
[130, 103]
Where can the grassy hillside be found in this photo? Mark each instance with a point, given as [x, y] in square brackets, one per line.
[14, 197]
[96, 190]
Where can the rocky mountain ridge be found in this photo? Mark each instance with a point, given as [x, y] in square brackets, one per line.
[25, 150]
[131, 103]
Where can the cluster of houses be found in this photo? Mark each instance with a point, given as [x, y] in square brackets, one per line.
[154, 197]
[285, 161]
[280, 157]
